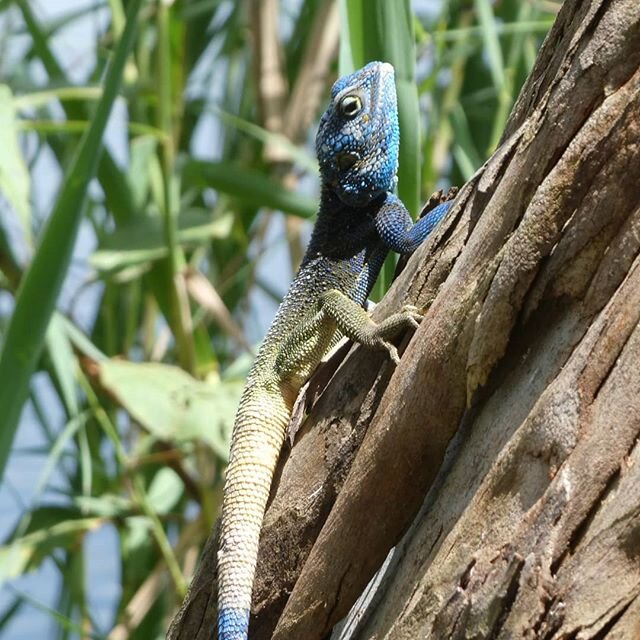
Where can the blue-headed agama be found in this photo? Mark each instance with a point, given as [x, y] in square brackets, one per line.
[359, 221]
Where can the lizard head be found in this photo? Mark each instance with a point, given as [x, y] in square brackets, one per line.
[358, 138]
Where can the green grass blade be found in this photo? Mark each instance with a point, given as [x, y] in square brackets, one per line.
[250, 186]
[80, 126]
[111, 178]
[57, 450]
[38, 292]
[63, 363]
[352, 54]
[382, 30]
[38, 99]
[7, 615]
[524, 27]
[492, 43]
[379, 30]
[296, 154]
[14, 176]
[464, 150]
[514, 54]
[80, 341]
[59, 619]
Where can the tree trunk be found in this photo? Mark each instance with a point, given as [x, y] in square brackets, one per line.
[525, 372]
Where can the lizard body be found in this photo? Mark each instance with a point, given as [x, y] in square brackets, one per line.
[359, 221]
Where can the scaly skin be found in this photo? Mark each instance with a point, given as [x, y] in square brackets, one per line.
[359, 221]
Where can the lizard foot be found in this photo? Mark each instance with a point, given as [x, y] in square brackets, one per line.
[393, 352]
[412, 314]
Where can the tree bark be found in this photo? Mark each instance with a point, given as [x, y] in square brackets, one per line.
[500, 458]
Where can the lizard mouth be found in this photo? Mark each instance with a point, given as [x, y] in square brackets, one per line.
[346, 160]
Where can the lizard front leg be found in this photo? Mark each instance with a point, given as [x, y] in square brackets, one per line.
[338, 311]
[397, 230]
[355, 323]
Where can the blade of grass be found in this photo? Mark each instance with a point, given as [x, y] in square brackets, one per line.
[14, 176]
[61, 620]
[295, 153]
[80, 341]
[525, 27]
[80, 126]
[351, 54]
[380, 30]
[178, 314]
[250, 186]
[515, 52]
[40, 98]
[464, 150]
[38, 292]
[500, 73]
[137, 489]
[9, 264]
[49, 529]
[7, 615]
[57, 450]
[439, 135]
[111, 178]
[492, 43]
[63, 363]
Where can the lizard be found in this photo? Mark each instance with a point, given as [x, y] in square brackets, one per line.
[359, 221]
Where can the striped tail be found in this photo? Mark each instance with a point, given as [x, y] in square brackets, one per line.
[257, 439]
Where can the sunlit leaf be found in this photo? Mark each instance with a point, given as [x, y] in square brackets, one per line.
[142, 239]
[107, 505]
[14, 177]
[165, 490]
[172, 405]
[40, 98]
[50, 529]
[249, 186]
[492, 42]
[41, 284]
[63, 361]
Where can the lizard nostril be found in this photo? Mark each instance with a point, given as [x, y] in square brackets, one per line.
[346, 160]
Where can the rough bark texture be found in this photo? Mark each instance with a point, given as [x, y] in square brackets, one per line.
[525, 372]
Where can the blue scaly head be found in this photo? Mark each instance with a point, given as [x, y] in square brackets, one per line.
[358, 137]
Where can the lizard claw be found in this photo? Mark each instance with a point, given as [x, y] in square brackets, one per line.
[393, 352]
[411, 308]
[413, 315]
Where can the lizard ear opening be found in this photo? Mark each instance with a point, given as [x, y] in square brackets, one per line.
[346, 160]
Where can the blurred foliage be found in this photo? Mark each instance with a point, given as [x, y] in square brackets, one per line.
[197, 216]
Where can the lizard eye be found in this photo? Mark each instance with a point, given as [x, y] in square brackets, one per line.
[350, 106]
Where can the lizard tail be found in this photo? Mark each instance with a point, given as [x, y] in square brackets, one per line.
[258, 435]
